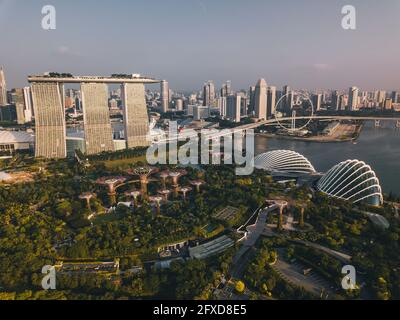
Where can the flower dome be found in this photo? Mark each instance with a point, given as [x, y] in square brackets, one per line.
[352, 180]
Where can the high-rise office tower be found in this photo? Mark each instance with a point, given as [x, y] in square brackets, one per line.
[335, 100]
[233, 107]
[209, 94]
[226, 89]
[288, 100]
[78, 104]
[192, 99]
[381, 97]
[342, 102]
[136, 119]
[387, 104]
[252, 100]
[28, 112]
[19, 102]
[353, 99]
[261, 100]
[394, 96]
[271, 101]
[3, 88]
[221, 104]
[317, 101]
[164, 96]
[244, 105]
[179, 104]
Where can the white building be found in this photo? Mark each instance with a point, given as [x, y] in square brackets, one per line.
[261, 100]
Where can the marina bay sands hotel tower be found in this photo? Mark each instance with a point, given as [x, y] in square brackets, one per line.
[48, 102]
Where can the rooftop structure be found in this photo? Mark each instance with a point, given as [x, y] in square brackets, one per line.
[15, 140]
[211, 248]
[93, 79]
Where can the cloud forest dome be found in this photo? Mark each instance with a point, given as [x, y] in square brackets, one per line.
[283, 161]
[352, 180]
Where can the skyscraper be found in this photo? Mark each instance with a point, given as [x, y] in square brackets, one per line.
[49, 120]
[381, 97]
[179, 104]
[209, 94]
[353, 99]
[335, 100]
[136, 119]
[96, 115]
[288, 100]
[233, 107]
[28, 104]
[261, 100]
[317, 101]
[394, 96]
[252, 100]
[226, 89]
[20, 105]
[3, 88]
[47, 94]
[387, 104]
[164, 96]
[271, 101]
[221, 104]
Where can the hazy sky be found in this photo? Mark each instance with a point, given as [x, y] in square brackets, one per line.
[298, 42]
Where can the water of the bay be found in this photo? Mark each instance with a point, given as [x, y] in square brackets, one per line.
[378, 147]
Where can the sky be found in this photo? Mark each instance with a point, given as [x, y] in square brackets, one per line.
[187, 42]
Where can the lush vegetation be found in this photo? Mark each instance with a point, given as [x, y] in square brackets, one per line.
[45, 221]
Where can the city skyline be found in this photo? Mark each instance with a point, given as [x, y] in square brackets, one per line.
[300, 55]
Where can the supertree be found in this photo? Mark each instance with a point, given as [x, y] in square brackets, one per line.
[111, 183]
[133, 194]
[184, 191]
[87, 196]
[164, 176]
[197, 184]
[281, 204]
[175, 175]
[144, 173]
[156, 200]
[164, 193]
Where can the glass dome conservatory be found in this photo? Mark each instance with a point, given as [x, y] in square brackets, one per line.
[283, 161]
[352, 180]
